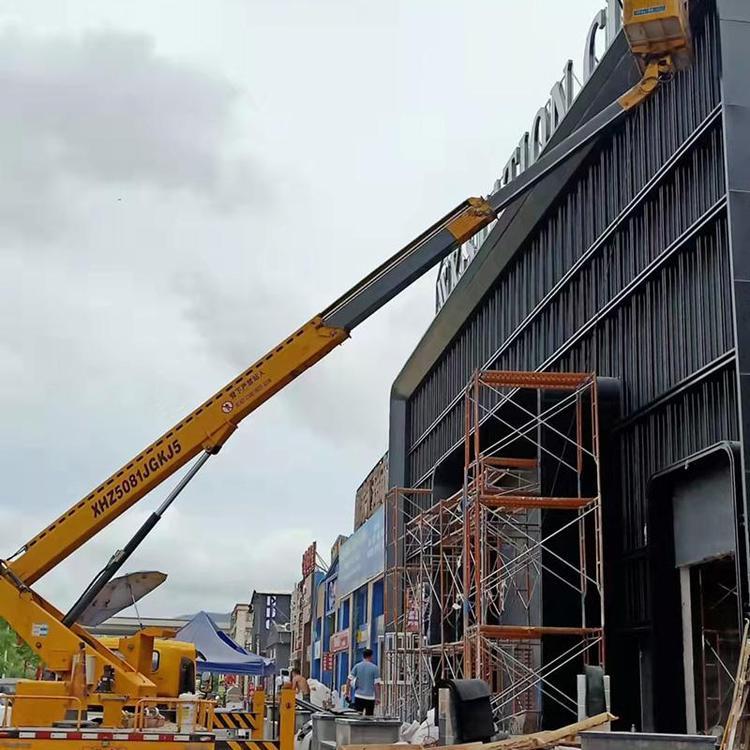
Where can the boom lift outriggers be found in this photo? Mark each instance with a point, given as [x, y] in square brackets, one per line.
[94, 677]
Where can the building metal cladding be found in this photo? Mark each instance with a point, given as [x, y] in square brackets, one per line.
[632, 261]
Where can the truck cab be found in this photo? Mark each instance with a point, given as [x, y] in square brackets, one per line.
[172, 663]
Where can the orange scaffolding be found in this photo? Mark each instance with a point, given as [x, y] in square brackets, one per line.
[504, 579]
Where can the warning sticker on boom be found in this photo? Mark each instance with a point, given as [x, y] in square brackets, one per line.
[650, 11]
[39, 629]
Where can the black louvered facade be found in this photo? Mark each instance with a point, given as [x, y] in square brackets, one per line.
[631, 270]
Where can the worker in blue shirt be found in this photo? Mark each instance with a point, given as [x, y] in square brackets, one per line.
[365, 679]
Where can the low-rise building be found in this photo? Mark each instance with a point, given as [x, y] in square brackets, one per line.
[240, 630]
[266, 608]
[279, 645]
[345, 603]
[304, 650]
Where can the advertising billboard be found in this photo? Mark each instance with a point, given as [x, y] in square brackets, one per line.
[362, 556]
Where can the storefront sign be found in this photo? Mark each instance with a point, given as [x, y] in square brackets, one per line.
[320, 600]
[330, 595]
[340, 641]
[363, 633]
[362, 555]
[328, 661]
[418, 612]
[309, 559]
[412, 613]
[307, 592]
[270, 614]
[544, 124]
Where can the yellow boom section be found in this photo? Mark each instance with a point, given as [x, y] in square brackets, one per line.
[205, 429]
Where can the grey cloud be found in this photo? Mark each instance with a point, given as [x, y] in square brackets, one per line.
[240, 328]
[342, 401]
[105, 107]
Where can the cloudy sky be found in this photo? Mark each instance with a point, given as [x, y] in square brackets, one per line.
[185, 182]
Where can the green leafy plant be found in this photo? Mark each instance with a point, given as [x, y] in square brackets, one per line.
[16, 658]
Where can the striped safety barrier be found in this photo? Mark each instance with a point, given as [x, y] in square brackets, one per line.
[247, 744]
[236, 720]
[102, 735]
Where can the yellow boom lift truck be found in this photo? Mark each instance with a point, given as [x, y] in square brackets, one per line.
[85, 678]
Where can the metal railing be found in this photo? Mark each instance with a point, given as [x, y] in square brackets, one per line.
[7, 701]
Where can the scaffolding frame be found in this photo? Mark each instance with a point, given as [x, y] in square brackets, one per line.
[465, 575]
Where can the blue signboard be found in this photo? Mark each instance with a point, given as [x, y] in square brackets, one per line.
[362, 556]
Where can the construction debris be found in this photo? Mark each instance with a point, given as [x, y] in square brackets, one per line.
[564, 736]
[737, 731]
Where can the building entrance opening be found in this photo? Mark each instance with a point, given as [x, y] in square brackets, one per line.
[695, 601]
[715, 640]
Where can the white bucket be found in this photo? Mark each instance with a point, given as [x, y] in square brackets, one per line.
[187, 712]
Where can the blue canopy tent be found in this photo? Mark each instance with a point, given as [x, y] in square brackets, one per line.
[218, 653]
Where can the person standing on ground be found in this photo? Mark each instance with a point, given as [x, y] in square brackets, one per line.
[300, 685]
[365, 679]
